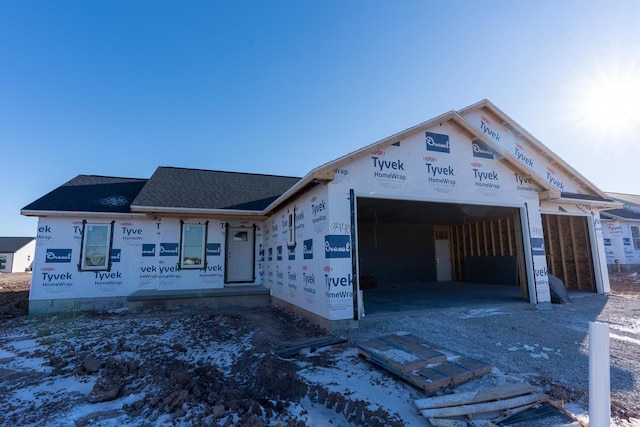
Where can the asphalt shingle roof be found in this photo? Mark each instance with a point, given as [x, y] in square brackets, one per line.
[13, 244]
[621, 213]
[91, 193]
[633, 199]
[205, 189]
[567, 195]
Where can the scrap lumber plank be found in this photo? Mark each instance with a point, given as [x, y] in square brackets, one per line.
[485, 395]
[312, 345]
[447, 422]
[477, 408]
[392, 356]
[412, 344]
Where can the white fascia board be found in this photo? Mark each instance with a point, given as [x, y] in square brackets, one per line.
[596, 204]
[149, 210]
[75, 214]
[535, 142]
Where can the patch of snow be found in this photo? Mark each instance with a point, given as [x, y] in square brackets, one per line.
[113, 201]
[6, 354]
[480, 312]
[359, 380]
[625, 338]
[540, 355]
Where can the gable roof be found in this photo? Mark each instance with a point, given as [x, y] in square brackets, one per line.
[542, 149]
[327, 169]
[14, 244]
[89, 193]
[623, 214]
[631, 199]
[549, 192]
[629, 211]
[177, 190]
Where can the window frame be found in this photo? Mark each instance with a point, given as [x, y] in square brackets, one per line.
[291, 228]
[635, 237]
[201, 248]
[107, 245]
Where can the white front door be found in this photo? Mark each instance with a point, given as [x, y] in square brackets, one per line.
[443, 260]
[240, 255]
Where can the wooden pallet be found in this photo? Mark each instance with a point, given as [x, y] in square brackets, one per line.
[412, 344]
[399, 359]
[421, 363]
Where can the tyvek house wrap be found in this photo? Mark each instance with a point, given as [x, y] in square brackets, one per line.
[144, 256]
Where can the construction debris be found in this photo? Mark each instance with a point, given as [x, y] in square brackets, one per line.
[423, 364]
[312, 346]
[486, 404]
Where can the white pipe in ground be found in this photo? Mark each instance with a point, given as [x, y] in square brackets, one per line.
[599, 376]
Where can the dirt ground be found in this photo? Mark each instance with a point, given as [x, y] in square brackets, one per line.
[168, 378]
[14, 291]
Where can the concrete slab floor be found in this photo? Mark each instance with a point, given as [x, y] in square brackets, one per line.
[424, 296]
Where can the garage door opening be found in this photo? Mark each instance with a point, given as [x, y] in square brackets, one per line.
[568, 249]
[425, 254]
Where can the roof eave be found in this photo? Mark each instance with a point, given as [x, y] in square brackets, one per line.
[75, 214]
[159, 211]
[597, 204]
[319, 175]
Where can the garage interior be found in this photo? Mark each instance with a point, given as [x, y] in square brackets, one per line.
[417, 255]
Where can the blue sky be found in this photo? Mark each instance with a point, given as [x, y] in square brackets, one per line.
[119, 88]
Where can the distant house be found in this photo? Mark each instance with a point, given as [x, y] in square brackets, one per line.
[467, 196]
[621, 231]
[16, 254]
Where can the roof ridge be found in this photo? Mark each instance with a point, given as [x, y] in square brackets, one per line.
[108, 176]
[229, 172]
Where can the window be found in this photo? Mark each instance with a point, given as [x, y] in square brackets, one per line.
[3, 262]
[192, 246]
[291, 236]
[95, 253]
[635, 236]
[240, 236]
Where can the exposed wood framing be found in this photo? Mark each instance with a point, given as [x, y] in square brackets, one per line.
[496, 237]
[568, 250]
